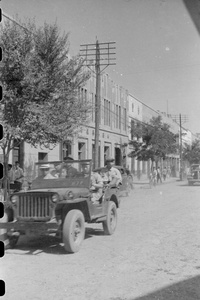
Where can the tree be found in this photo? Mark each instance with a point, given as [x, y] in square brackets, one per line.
[191, 153]
[40, 83]
[153, 141]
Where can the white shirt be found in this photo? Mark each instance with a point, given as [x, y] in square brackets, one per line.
[114, 173]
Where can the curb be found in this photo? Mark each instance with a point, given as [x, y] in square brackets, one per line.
[144, 183]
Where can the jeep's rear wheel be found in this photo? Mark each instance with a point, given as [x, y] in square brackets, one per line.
[110, 224]
[73, 230]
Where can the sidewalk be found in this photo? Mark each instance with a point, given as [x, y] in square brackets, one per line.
[144, 182]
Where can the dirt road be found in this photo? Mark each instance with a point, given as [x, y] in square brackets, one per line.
[154, 254]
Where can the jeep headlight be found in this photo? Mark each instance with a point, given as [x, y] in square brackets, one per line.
[54, 198]
[14, 199]
[70, 195]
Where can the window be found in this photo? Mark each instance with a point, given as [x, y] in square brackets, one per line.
[132, 107]
[85, 96]
[67, 149]
[106, 111]
[117, 115]
[81, 150]
[124, 119]
[106, 153]
[42, 157]
[132, 129]
[82, 95]
[120, 117]
[109, 113]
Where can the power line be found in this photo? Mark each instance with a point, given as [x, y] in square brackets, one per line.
[14, 21]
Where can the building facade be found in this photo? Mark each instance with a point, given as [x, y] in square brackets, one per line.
[113, 129]
[119, 113]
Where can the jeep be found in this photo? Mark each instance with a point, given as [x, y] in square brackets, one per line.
[59, 201]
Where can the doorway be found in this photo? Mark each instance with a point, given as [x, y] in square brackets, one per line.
[118, 156]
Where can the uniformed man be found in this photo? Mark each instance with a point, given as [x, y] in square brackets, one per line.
[113, 174]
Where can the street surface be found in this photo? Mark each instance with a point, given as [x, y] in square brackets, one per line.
[154, 254]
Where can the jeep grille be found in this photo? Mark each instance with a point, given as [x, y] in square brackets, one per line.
[34, 206]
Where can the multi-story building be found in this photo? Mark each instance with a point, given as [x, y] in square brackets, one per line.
[119, 113]
[113, 129]
[135, 118]
[139, 112]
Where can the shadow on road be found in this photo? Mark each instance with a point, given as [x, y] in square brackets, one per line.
[46, 244]
[37, 245]
[91, 231]
[190, 186]
[188, 289]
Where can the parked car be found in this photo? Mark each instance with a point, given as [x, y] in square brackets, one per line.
[60, 202]
[194, 175]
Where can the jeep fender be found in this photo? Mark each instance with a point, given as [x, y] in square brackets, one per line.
[66, 205]
[115, 199]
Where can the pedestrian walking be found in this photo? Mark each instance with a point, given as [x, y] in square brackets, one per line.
[159, 178]
[164, 173]
[153, 177]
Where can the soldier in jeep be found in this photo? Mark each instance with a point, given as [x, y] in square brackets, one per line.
[96, 187]
[113, 174]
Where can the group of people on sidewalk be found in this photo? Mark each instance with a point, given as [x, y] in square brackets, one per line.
[156, 175]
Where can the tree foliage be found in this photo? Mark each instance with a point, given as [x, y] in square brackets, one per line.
[191, 153]
[40, 86]
[153, 140]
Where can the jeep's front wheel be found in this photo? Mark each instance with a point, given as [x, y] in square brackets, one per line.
[73, 230]
[110, 224]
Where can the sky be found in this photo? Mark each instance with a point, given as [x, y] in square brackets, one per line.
[157, 46]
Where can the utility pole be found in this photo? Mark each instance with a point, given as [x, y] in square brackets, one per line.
[97, 55]
[180, 118]
[181, 147]
[97, 106]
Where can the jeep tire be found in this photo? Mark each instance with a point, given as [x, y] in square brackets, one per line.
[73, 230]
[110, 224]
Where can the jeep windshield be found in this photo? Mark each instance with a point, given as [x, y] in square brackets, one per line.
[62, 174]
